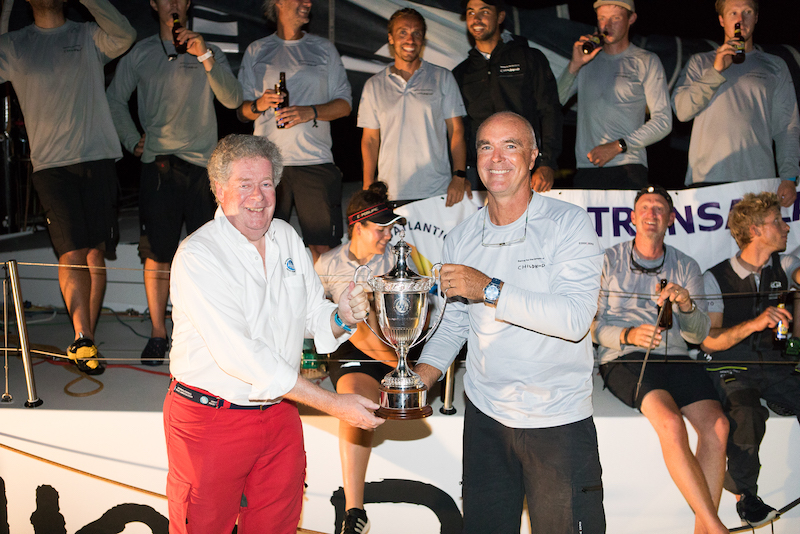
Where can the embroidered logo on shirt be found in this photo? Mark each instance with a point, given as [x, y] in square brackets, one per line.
[290, 265]
[530, 263]
[505, 69]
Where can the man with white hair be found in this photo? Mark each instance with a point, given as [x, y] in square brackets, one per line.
[244, 294]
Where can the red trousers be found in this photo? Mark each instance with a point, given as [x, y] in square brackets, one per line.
[228, 466]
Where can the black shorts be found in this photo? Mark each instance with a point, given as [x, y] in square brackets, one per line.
[171, 191]
[686, 382]
[316, 192]
[348, 359]
[80, 203]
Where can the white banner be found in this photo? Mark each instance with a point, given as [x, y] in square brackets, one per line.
[700, 228]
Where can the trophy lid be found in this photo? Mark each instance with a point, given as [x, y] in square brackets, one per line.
[401, 277]
[401, 269]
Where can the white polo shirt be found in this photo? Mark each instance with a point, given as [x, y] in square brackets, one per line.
[413, 158]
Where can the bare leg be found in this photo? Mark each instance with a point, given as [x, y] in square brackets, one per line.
[667, 420]
[76, 287]
[355, 445]
[156, 285]
[317, 251]
[96, 258]
[711, 425]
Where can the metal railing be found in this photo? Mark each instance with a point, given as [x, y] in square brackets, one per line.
[12, 279]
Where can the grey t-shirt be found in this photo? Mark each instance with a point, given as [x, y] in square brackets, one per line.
[737, 115]
[175, 100]
[58, 76]
[628, 299]
[413, 158]
[314, 75]
[614, 94]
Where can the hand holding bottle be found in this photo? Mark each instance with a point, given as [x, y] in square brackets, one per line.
[579, 57]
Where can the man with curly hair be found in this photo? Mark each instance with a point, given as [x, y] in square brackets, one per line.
[743, 307]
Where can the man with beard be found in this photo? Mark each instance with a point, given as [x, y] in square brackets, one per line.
[617, 84]
[319, 93]
[503, 73]
[411, 114]
[56, 68]
[743, 313]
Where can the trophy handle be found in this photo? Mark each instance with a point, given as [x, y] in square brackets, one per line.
[366, 322]
[438, 269]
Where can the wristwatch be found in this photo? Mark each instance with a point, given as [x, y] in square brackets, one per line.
[492, 292]
[622, 145]
[460, 174]
[254, 107]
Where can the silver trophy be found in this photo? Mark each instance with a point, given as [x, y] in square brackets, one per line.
[401, 301]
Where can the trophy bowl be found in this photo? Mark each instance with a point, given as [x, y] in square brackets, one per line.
[401, 303]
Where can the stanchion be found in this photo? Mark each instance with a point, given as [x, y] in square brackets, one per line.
[22, 329]
[449, 383]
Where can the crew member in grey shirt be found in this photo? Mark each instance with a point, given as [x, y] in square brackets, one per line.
[410, 114]
[617, 84]
[175, 97]
[740, 110]
[673, 385]
[318, 93]
[56, 68]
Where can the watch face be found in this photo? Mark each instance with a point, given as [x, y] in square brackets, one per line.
[491, 292]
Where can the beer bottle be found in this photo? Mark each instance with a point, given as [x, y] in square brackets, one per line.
[666, 317]
[738, 57]
[176, 25]
[595, 41]
[782, 329]
[280, 88]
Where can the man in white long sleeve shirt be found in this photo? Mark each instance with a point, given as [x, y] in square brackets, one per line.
[244, 292]
[56, 68]
[739, 110]
[617, 85]
[175, 94]
[523, 277]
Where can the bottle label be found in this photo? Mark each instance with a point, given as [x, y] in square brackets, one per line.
[782, 330]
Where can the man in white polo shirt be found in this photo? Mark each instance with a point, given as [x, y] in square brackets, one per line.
[411, 114]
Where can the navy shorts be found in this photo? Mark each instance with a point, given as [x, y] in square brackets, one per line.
[80, 203]
[316, 192]
[172, 191]
[687, 382]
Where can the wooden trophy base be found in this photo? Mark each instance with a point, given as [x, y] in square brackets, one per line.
[404, 413]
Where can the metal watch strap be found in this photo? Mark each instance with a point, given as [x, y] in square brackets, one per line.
[491, 293]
